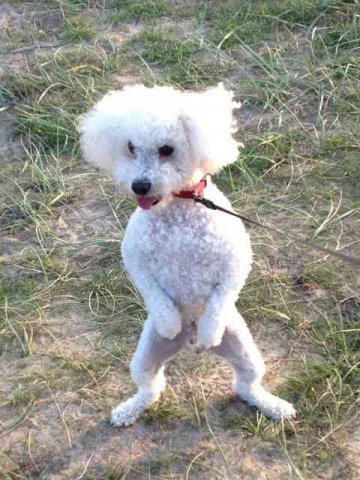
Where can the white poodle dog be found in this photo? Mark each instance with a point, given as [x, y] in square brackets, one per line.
[188, 262]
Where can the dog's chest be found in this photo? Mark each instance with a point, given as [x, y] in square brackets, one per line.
[187, 255]
[186, 263]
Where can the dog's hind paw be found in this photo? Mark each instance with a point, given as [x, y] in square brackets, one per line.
[126, 413]
[281, 410]
[272, 406]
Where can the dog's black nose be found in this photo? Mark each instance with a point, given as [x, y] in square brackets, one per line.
[141, 187]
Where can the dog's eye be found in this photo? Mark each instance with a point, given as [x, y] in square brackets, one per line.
[166, 150]
[131, 148]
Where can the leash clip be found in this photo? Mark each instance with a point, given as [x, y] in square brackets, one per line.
[206, 202]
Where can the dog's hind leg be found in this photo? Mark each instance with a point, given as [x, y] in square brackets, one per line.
[239, 349]
[147, 371]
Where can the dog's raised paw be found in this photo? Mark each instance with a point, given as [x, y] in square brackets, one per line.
[208, 336]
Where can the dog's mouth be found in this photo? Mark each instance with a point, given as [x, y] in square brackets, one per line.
[147, 202]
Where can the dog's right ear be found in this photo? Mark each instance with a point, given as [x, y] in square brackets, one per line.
[93, 127]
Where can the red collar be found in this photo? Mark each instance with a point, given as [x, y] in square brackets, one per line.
[147, 202]
[191, 194]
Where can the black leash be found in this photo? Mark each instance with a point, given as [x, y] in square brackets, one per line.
[212, 206]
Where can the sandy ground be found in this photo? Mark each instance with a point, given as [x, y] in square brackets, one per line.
[74, 376]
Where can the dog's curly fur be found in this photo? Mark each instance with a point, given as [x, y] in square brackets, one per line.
[189, 263]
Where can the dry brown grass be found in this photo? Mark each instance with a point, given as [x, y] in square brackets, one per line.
[70, 318]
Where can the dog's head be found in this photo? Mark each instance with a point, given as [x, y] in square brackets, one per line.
[157, 141]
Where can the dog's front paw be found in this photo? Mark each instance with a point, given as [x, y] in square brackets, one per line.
[168, 323]
[209, 335]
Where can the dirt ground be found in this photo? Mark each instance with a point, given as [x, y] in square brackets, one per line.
[71, 317]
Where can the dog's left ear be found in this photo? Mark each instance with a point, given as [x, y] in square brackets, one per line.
[209, 124]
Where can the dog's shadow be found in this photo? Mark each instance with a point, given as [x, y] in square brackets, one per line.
[144, 443]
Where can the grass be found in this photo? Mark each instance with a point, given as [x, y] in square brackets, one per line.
[183, 62]
[77, 28]
[136, 11]
[70, 317]
[21, 314]
[40, 188]
[59, 88]
[163, 412]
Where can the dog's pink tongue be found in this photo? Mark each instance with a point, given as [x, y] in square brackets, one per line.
[146, 202]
